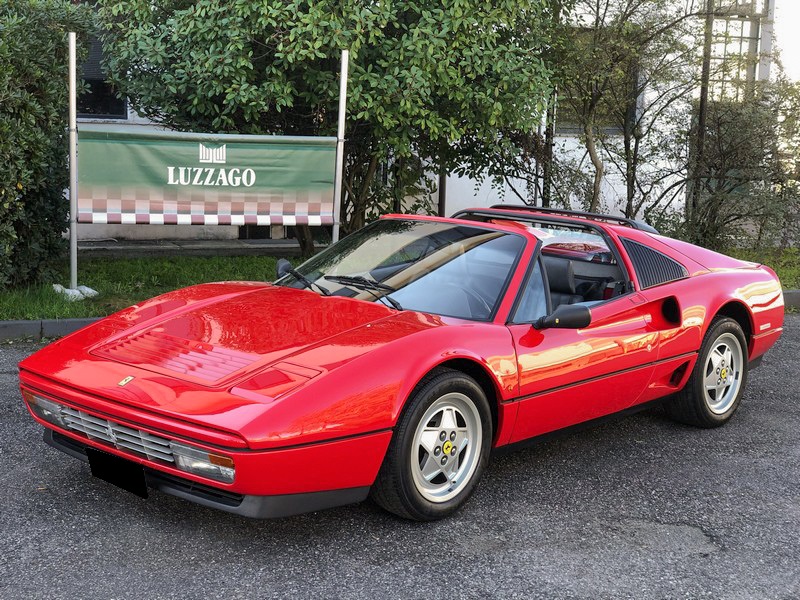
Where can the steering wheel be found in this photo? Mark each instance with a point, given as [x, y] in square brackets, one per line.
[481, 300]
[473, 295]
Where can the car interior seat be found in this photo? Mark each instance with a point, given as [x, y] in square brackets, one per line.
[561, 279]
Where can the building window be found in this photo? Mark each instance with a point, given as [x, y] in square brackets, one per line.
[100, 100]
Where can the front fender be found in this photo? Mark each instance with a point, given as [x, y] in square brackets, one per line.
[367, 377]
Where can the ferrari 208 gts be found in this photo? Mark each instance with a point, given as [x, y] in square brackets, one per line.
[392, 363]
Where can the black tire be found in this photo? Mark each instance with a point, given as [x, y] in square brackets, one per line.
[695, 404]
[444, 397]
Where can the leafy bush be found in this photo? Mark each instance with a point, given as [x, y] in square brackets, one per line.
[452, 84]
[33, 133]
[784, 261]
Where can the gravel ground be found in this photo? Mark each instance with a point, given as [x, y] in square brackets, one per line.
[636, 508]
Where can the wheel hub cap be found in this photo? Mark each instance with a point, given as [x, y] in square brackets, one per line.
[446, 447]
[723, 373]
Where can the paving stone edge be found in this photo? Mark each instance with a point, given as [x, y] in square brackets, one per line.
[52, 328]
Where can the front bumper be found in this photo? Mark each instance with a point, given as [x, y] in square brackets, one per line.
[268, 483]
[246, 505]
[338, 463]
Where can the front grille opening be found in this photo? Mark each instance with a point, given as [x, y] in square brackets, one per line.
[163, 482]
[110, 433]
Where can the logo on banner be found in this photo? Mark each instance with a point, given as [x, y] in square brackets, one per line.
[212, 155]
[210, 176]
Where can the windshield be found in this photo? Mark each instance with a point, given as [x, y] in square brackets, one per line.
[441, 268]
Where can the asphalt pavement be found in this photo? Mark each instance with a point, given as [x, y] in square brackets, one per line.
[636, 508]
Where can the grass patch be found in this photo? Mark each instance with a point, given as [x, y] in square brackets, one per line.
[785, 262]
[122, 282]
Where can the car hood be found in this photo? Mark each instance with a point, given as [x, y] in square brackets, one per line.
[217, 355]
[218, 343]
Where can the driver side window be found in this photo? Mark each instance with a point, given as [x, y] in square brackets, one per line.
[533, 303]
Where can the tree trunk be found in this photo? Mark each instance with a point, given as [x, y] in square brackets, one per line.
[442, 212]
[306, 241]
[697, 166]
[358, 199]
[630, 175]
[399, 186]
[549, 135]
[594, 155]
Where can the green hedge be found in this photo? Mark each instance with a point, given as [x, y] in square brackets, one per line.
[33, 134]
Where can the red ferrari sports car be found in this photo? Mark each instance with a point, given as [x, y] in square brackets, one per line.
[395, 361]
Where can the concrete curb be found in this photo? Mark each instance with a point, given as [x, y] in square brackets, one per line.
[52, 328]
[46, 328]
[791, 298]
[145, 248]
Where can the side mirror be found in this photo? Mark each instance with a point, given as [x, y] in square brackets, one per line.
[566, 316]
[282, 267]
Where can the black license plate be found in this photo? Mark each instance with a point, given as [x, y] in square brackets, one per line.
[118, 471]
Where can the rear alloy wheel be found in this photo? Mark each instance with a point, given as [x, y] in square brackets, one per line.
[439, 450]
[715, 388]
[722, 374]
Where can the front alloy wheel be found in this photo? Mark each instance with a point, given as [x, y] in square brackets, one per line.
[439, 450]
[446, 448]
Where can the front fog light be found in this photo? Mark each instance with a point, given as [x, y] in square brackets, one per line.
[45, 409]
[200, 462]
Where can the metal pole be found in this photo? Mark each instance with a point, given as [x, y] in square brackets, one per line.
[337, 182]
[73, 167]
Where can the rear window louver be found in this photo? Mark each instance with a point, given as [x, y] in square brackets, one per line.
[651, 266]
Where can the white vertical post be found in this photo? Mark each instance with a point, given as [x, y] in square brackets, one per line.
[767, 31]
[73, 166]
[337, 181]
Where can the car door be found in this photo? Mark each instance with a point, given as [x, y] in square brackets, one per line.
[665, 293]
[568, 376]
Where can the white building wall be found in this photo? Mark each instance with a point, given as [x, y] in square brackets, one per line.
[464, 192]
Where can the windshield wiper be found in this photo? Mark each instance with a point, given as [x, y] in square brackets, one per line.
[306, 281]
[368, 285]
